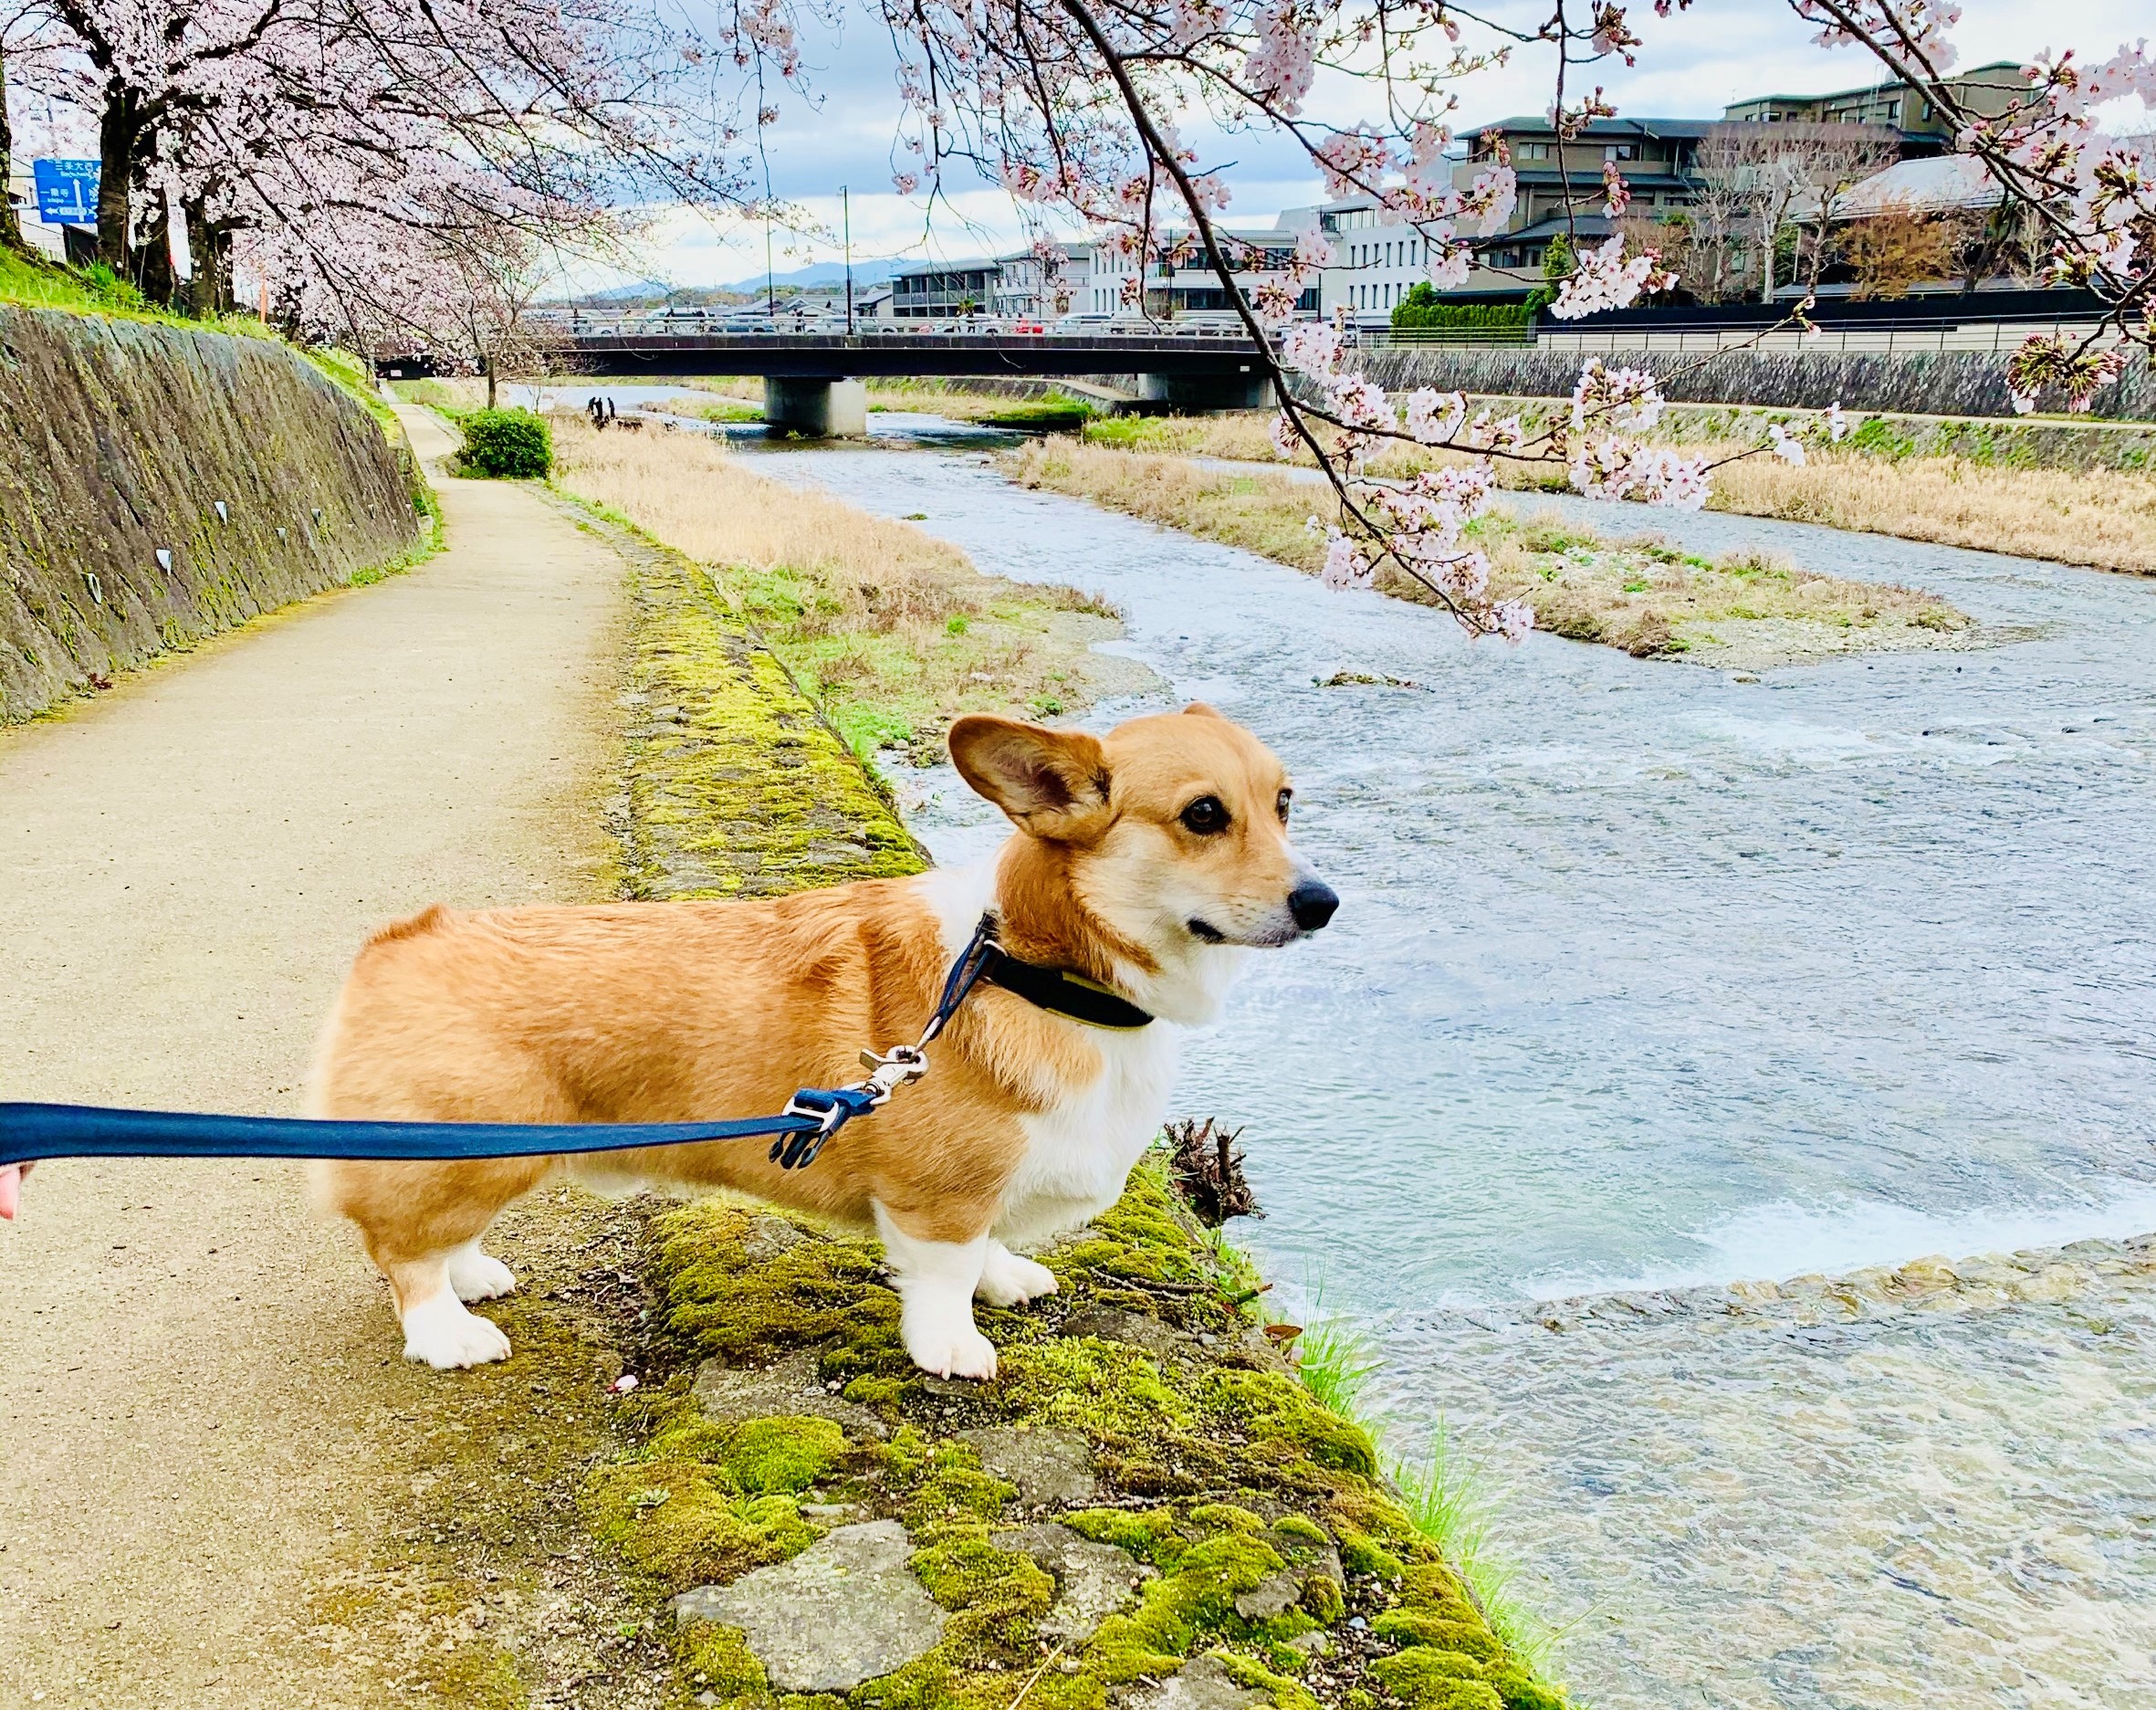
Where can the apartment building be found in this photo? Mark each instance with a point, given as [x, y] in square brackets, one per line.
[1189, 289]
[1024, 292]
[1989, 90]
[943, 290]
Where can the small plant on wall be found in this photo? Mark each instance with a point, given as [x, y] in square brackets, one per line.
[514, 443]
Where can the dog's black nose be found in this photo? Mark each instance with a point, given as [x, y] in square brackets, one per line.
[1312, 903]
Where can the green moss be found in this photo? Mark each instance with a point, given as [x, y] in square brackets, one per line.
[1362, 1554]
[1412, 1627]
[767, 1456]
[1436, 1680]
[740, 788]
[708, 1658]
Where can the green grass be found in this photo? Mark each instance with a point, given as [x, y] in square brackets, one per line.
[1445, 1494]
[430, 395]
[1336, 1363]
[1055, 412]
[96, 291]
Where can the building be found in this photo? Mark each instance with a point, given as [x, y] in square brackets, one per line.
[1376, 264]
[1186, 287]
[1024, 292]
[943, 290]
[1988, 90]
[1945, 183]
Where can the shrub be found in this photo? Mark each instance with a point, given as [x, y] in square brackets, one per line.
[1422, 308]
[514, 443]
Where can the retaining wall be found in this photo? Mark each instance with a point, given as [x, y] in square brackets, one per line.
[119, 440]
[1949, 382]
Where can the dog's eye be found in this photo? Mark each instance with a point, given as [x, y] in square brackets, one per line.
[1285, 797]
[1206, 817]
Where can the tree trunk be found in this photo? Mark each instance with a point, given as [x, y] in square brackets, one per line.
[120, 140]
[153, 273]
[490, 380]
[11, 231]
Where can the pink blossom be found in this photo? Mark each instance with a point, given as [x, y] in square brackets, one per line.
[1433, 416]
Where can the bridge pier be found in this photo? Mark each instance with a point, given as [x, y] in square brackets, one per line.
[1187, 394]
[818, 408]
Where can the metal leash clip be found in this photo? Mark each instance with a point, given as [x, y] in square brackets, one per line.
[900, 1067]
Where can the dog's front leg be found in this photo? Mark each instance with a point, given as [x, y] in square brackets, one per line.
[935, 1281]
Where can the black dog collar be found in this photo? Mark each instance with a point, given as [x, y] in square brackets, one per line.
[1070, 994]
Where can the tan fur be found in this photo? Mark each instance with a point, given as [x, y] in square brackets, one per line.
[684, 1011]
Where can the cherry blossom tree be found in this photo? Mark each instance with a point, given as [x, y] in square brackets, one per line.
[1081, 104]
[367, 152]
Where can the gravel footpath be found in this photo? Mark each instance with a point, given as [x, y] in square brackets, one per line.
[202, 1412]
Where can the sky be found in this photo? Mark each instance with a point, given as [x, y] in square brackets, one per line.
[1691, 65]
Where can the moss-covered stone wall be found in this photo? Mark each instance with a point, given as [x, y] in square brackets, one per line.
[159, 484]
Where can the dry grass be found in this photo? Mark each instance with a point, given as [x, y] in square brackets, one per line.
[2104, 518]
[893, 631]
[1742, 611]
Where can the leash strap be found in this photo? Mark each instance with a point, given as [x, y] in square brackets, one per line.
[29, 1132]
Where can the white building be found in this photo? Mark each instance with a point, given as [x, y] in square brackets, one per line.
[1024, 291]
[1189, 290]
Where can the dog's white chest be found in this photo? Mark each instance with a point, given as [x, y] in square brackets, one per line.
[1079, 1154]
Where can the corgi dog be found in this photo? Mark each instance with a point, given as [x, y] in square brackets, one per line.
[1146, 863]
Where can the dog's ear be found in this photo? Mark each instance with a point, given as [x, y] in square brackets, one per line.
[1198, 709]
[1052, 783]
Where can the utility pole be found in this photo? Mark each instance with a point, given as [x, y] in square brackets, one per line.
[770, 285]
[846, 219]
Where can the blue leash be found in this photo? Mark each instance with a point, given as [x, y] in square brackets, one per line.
[31, 1132]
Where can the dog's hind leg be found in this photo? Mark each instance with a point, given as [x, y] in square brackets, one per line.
[476, 1275]
[421, 1224]
[1009, 1279]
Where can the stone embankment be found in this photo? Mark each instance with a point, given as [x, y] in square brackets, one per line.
[160, 483]
[1941, 382]
[1147, 1508]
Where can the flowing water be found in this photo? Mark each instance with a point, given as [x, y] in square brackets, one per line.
[1649, 981]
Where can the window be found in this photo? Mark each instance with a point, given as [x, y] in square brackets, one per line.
[1534, 151]
[1621, 152]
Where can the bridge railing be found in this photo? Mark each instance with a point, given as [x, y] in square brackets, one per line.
[686, 323]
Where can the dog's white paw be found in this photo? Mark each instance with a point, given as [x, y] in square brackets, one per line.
[440, 1332]
[476, 1275]
[946, 1343]
[1007, 1280]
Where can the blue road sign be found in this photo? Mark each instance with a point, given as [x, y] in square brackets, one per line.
[67, 192]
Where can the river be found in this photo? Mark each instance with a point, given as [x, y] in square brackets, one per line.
[1647, 981]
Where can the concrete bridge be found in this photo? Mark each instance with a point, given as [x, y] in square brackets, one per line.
[812, 381]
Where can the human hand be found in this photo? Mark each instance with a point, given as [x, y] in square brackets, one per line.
[11, 1189]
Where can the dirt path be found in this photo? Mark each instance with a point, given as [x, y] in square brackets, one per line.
[199, 1386]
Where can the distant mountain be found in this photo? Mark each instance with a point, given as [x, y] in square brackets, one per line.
[865, 273]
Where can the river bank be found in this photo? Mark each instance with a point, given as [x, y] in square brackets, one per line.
[892, 633]
[2104, 517]
[1744, 611]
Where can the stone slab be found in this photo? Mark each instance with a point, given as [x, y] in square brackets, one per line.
[844, 1611]
[1051, 1468]
[1091, 1580]
[733, 1394]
